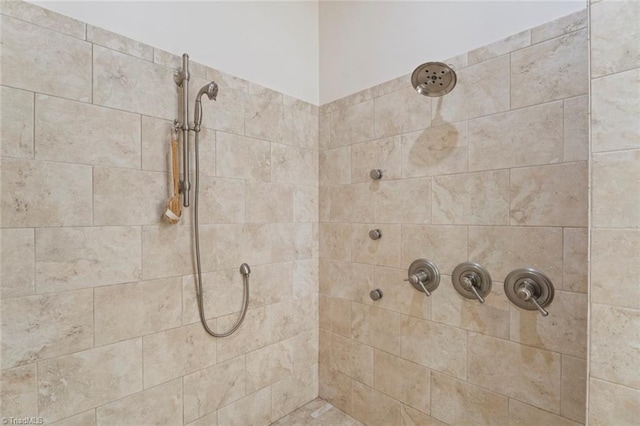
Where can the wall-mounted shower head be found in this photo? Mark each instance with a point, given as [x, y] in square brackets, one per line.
[433, 79]
[211, 89]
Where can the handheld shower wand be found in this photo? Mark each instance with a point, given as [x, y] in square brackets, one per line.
[211, 90]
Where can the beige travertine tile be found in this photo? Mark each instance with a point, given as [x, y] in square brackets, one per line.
[612, 404]
[275, 283]
[351, 358]
[305, 203]
[265, 92]
[506, 45]
[70, 258]
[58, 65]
[376, 327]
[324, 203]
[404, 201]
[615, 336]
[334, 387]
[237, 244]
[268, 202]
[300, 105]
[84, 380]
[576, 128]
[335, 315]
[90, 134]
[352, 203]
[565, 333]
[615, 109]
[403, 380]
[383, 252]
[549, 195]
[412, 417]
[574, 255]
[293, 165]
[482, 89]
[558, 27]
[324, 131]
[523, 372]
[166, 250]
[19, 391]
[398, 295]
[491, 318]
[525, 415]
[161, 405]
[222, 292]
[564, 58]
[523, 137]
[446, 246]
[16, 112]
[222, 200]
[294, 391]
[436, 150]
[43, 17]
[253, 334]
[37, 193]
[306, 277]
[210, 419]
[352, 281]
[372, 407]
[383, 154]
[609, 20]
[225, 80]
[334, 243]
[614, 259]
[240, 157]
[396, 84]
[119, 314]
[17, 262]
[471, 198]
[176, 352]
[88, 418]
[114, 41]
[267, 119]
[335, 166]
[144, 194]
[503, 249]
[156, 146]
[458, 403]
[399, 112]
[291, 241]
[292, 317]
[159, 96]
[451, 356]
[574, 388]
[40, 327]
[252, 410]
[209, 389]
[352, 124]
[305, 129]
[616, 182]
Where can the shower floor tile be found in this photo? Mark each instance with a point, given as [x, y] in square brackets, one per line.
[317, 413]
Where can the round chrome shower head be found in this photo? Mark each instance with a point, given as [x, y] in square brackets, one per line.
[434, 79]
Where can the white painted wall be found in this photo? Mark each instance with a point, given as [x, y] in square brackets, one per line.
[367, 43]
[274, 44]
[317, 53]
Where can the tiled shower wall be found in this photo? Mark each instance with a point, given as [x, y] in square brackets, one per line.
[494, 172]
[99, 317]
[614, 380]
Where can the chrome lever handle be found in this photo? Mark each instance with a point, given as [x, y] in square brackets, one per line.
[526, 292]
[469, 284]
[418, 279]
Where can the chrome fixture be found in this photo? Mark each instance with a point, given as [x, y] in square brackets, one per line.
[471, 281]
[424, 276]
[434, 79]
[375, 234]
[182, 80]
[211, 90]
[375, 174]
[376, 294]
[529, 289]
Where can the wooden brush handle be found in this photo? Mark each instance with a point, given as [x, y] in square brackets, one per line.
[174, 160]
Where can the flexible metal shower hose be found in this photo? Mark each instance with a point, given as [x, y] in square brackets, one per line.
[199, 294]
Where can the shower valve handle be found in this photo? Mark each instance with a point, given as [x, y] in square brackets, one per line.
[418, 279]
